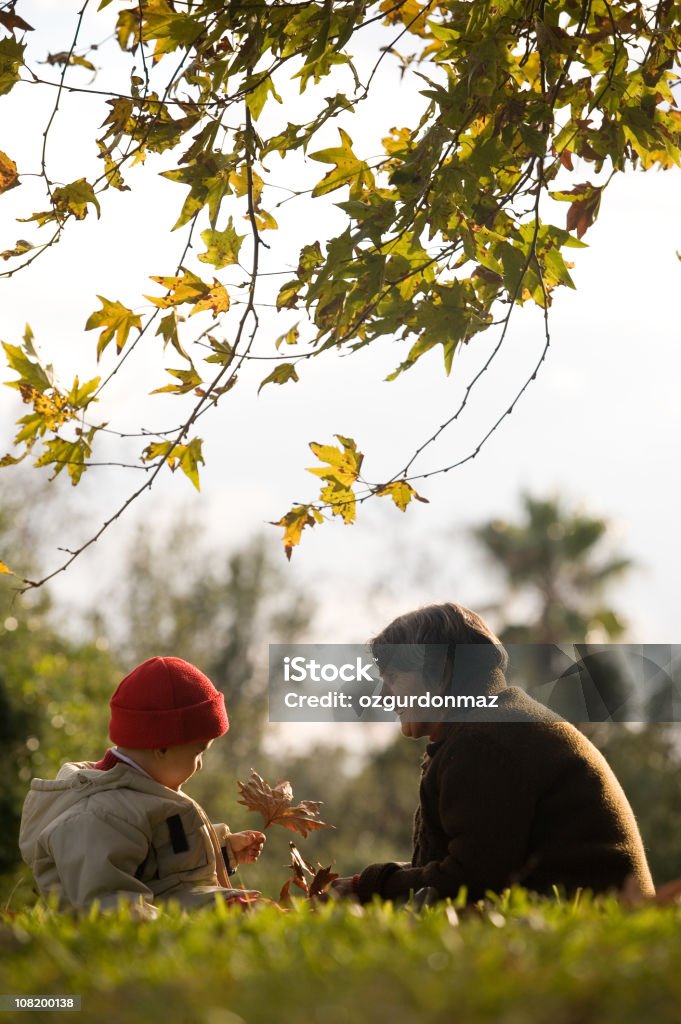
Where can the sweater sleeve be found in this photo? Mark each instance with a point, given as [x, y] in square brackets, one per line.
[96, 856]
[485, 809]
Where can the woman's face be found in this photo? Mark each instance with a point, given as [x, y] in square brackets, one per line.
[403, 684]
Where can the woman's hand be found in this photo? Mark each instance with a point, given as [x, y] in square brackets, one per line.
[247, 846]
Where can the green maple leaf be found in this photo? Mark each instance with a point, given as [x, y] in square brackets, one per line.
[190, 457]
[11, 60]
[178, 456]
[280, 374]
[26, 365]
[72, 454]
[68, 201]
[74, 198]
[256, 95]
[208, 180]
[222, 246]
[189, 380]
[169, 29]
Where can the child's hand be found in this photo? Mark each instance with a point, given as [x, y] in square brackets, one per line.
[247, 846]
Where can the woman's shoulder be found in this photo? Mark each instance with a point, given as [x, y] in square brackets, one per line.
[521, 731]
[515, 705]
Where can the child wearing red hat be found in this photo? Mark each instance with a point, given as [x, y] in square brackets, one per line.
[122, 829]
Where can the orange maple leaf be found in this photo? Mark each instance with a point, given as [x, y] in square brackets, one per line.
[276, 806]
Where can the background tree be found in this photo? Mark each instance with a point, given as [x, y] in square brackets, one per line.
[54, 688]
[556, 566]
[449, 224]
[555, 562]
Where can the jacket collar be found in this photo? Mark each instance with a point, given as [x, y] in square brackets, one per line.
[445, 731]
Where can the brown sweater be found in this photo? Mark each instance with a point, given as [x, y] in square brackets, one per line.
[527, 800]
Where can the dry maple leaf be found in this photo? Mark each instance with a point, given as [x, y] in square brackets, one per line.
[321, 878]
[11, 21]
[276, 805]
[285, 895]
[584, 210]
[321, 881]
[299, 868]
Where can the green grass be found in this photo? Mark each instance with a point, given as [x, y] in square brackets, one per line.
[513, 960]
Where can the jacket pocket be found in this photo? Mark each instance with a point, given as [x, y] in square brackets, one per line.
[182, 848]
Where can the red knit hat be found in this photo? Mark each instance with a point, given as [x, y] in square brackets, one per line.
[165, 702]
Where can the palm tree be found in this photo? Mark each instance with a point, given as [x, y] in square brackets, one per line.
[557, 568]
[556, 558]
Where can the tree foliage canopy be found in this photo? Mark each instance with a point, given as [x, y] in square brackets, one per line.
[449, 224]
[559, 558]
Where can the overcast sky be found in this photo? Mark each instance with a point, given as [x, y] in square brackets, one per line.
[600, 424]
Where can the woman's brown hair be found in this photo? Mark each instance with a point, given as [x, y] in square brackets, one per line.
[421, 640]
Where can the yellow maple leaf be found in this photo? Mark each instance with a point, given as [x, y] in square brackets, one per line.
[401, 492]
[294, 522]
[9, 176]
[116, 320]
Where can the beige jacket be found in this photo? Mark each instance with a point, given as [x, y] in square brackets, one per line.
[120, 835]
